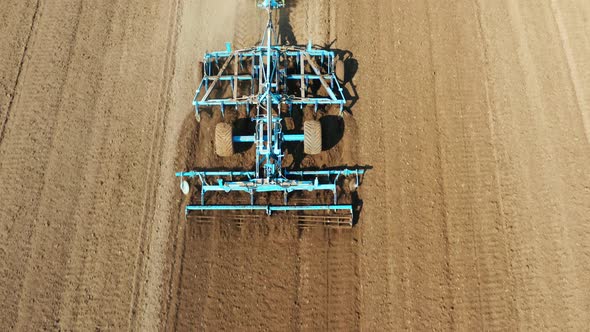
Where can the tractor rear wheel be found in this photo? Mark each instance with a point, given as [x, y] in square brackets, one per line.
[312, 137]
[223, 140]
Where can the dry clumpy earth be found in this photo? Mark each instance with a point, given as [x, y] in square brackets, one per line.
[474, 116]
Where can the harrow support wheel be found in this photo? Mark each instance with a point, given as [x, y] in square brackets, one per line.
[223, 140]
[312, 137]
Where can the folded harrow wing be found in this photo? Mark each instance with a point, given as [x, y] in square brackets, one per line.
[269, 81]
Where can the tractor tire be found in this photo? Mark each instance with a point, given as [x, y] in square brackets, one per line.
[312, 137]
[223, 140]
[339, 70]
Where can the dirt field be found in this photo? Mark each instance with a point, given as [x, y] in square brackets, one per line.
[474, 116]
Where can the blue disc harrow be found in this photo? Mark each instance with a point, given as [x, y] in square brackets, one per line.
[269, 81]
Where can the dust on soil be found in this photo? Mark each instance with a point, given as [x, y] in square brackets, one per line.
[476, 215]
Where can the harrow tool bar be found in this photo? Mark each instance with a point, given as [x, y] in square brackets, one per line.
[248, 183]
[270, 208]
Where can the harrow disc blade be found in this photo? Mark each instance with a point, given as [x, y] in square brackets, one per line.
[184, 187]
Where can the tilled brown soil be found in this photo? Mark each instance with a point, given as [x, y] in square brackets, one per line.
[474, 116]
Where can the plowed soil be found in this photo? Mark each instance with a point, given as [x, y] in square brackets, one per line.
[473, 115]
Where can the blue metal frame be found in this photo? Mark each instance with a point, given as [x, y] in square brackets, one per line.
[253, 58]
[247, 182]
[267, 69]
[269, 209]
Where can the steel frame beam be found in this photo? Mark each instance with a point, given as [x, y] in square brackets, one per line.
[269, 209]
[252, 185]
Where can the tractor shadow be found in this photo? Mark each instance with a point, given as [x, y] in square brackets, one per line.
[286, 34]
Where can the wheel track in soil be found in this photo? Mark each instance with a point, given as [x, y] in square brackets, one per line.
[34, 238]
[470, 181]
[342, 279]
[148, 300]
[578, 67]
[539, 267]
[100, 145]
[10, 77]
[80, 246]
[184, 303]
[533, 145]
[117, 145]
[368, 113]
[325, 271]
[6, 116]
[75, 306]
[571, 52]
